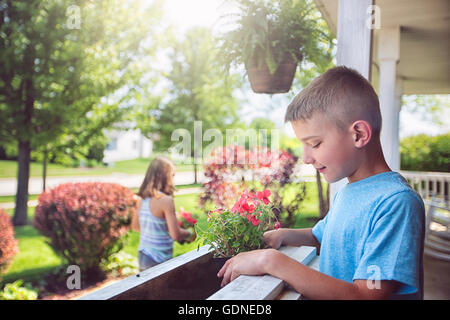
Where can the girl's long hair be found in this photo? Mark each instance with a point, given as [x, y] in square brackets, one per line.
[158, 179]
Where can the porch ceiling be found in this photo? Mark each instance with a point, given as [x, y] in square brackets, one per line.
[424, 63]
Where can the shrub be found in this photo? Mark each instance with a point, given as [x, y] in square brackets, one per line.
[8, 244]
[15, 291]
[120, 264]
[85, 221]
[426, 153]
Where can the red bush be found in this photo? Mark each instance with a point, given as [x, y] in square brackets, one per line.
[85, 221]
[8, 245]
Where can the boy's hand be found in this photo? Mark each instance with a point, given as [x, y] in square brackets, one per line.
[251, 263]
[274, 238]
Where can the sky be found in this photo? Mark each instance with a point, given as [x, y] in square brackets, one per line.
[185, 14]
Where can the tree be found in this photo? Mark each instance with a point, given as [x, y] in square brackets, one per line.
[264, 129]
[200, 90]
[432, 108]
[58, 60]
[425, 153]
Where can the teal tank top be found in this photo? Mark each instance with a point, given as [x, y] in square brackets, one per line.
[155, 240]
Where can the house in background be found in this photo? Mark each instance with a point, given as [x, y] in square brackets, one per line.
[126, 143]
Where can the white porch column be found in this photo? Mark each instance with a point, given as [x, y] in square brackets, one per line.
[396, 138]
[354, 46]
[388, 56]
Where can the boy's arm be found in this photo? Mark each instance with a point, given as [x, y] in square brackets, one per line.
[309, 282]
[291, 237]
[316, 285]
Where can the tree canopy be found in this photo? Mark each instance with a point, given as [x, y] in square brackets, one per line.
[59, 67]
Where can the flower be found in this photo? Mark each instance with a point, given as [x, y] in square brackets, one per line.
[240, 229]
[255, 221]
[264, 196]
[186, 219]
[277, 225]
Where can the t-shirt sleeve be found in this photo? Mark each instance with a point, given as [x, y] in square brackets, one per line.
[393, 250]
[318, 229]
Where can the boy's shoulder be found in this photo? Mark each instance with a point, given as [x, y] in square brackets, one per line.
[386, 184]
[386, 188]
[393, 182]
[397, 197]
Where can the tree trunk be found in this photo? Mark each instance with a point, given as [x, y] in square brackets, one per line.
[195, 172]
[323, 202]
[44, 171]
[20, 213]
[24, 148]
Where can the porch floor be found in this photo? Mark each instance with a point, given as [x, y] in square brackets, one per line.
[436, 279]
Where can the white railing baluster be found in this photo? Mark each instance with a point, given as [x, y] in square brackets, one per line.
[429, 184]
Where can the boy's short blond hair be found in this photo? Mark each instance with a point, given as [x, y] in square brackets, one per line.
[341, 94]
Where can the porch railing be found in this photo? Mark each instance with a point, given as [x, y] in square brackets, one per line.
[430, 185]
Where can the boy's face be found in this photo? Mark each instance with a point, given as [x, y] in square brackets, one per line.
[326, 147]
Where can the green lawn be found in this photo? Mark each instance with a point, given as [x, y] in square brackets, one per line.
[8, 169]
[36, 258]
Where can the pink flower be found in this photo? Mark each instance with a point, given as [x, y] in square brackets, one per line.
[277, 225]
[264, 196]
[255, 221]
[248, 208]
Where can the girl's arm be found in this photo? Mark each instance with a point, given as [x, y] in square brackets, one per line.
[177, 233]
[135, 219]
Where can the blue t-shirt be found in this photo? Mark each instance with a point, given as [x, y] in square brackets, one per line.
[375, 231]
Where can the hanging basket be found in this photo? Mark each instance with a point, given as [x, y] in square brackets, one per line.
[262, 81]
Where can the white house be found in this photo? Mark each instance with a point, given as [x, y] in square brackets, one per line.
[126, 144]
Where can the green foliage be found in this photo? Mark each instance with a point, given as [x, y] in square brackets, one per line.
[59, 83]
[426, 153]
[120, 264]
[433, 108]
[200, 90]
[291, 144]
[263, 129]
[15, 291]
[267, 30]
[240, 229]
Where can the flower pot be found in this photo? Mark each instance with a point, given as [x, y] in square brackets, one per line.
[262, 81]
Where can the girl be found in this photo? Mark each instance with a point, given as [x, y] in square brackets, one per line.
[155, 217]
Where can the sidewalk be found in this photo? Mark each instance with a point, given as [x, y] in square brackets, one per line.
[8, 187]
[34, 203]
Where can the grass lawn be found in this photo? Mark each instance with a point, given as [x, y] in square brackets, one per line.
[36, 258]
[8, 168]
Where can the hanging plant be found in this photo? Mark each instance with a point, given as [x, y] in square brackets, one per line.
[271, 38]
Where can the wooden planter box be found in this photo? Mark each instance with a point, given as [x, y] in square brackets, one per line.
[193, 276]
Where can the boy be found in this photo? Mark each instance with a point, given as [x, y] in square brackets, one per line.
[371, 240]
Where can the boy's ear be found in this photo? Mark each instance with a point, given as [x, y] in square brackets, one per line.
[361, 133]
